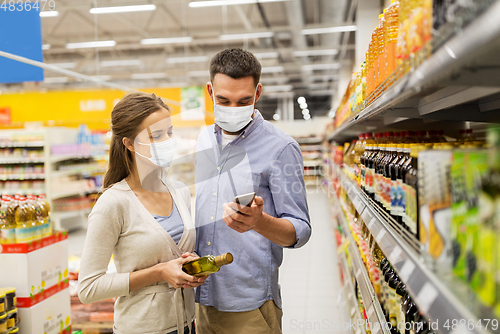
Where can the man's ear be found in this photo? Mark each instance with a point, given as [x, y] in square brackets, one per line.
[258, 92]
[128, 144]
[210, 90]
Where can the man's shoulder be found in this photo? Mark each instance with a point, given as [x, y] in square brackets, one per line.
[279, 138]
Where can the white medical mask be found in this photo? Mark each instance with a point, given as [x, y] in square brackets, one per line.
[233, 119]
[162, 154]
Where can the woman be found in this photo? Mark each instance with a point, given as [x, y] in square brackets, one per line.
[144, 221]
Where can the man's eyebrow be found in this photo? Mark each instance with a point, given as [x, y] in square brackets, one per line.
[246, 98]
[221, 97]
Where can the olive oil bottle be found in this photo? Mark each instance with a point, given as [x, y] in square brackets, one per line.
[207, 264]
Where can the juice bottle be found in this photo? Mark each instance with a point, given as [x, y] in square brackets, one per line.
[369, 69]
[45, 207]
[7, 226]
[364, 75]
[415, 33]
[36, 226]
[382, 60]
[403, 26]
[23, 226]
[391, 33]
[375, 55]
[378, 46]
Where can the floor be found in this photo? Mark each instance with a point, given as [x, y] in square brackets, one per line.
[313, 300]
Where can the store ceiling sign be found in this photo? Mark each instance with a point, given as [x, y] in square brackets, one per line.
[20, 34]
[5, 116]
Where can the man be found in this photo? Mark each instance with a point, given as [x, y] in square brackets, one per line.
[243, 153]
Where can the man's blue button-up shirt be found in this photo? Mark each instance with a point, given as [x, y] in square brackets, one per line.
[262, 159]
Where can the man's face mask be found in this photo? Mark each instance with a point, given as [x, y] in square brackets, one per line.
[233, 119]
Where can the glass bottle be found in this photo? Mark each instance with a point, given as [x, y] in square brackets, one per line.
[207, 264]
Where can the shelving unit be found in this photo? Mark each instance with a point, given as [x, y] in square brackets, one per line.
[458, 83]
[312, 152]
[373, 308]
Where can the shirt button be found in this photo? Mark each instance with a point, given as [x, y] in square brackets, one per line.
[215, 194]
[209, 243]
[212, 218]
[218, 168]
[243, 136]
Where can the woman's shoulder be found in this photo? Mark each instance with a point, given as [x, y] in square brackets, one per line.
[115, 194]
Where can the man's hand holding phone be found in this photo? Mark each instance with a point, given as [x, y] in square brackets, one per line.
[244, 213]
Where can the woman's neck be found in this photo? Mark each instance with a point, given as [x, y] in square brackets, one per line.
[145, 178]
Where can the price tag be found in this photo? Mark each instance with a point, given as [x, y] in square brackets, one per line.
[380, 235]
[426, 297]
[370, 224]
[407, 270]
[394, 256]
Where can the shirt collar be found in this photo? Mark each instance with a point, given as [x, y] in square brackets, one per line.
[254, 123]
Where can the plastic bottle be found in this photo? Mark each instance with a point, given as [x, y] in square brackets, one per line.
[379, 45]
[403, 26]
[23, 227]
[36, 226]
[391, 33]
[375, 55]
[7, 228]
[45, 206]
[382, 59]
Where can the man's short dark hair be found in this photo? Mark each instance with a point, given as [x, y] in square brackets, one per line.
[236, 63]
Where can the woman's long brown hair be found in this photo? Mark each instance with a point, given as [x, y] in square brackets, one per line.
[126, 117]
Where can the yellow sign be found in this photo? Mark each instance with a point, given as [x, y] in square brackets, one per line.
[91, 107]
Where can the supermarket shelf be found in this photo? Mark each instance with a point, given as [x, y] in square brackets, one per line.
[309, 148]
[309, 141]
[431, 295]
[313, 163]
[372, 305]
[313, 172]
[21, 177]
[10, 161]
[23, 192]
[63, 157]
[63, 173]
[459, 82]
[74, 193]
[70, 214]
[23, 144]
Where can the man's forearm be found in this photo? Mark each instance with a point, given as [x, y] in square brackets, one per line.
[278, 230]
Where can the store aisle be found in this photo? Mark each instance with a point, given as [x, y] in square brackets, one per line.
[313, 299]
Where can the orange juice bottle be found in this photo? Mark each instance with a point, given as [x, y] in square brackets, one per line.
[375, 55]
[414, 34]
[363, 81]
[382, 59]
[378, 35]
[403, 24]
[369, 73]
[391, 33]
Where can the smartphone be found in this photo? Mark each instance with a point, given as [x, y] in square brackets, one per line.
[245, 200]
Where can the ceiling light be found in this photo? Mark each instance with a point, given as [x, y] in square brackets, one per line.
[49, 13]
[182, 60]
[171, 40]
[328, 30]
[303, 105]
[64, 65]
[272, 69]
[277, 80]
[96, 44]
[122, 9]
[142, 76]
[276, 117]
[230, 37]
[56, 79]
[305, 111]
[301, 100]
[307, 117]
[124, 62]
[45, 46]
[324, 52]
[263, 55]
[278, 88]
[199, 4]
[311, 67]
[199, 73]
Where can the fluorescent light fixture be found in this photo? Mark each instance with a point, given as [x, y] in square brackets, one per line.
[301, 100]
[64, 65]
[56, 80]
[311, 67]
[122, 9]
[199, 73]
[303, 105]
[278, 88]
[124, 62]
[263, 55]
[174, 84]
[328, 30]
[230, 37]
[96, 44]
[199, 4]
[49, 13]
[102, 77]
[324, 52]
[305, 111]
[276, 117]
[184, 60]
[171, 40]
[307, 117]
[45, 46]
[272, 69]
[142, 76]
[277, 80]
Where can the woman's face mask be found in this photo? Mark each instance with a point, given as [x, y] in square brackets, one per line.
[159, 137]
[162, 153]
[233, 119]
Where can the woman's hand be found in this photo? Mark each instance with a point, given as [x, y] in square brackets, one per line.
[171, 272]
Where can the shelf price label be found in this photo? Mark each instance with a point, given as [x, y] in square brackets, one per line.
[427, 296]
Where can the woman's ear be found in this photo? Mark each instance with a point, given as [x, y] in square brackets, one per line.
[128, 144]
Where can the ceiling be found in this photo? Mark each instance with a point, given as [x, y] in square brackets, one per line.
[287, 72]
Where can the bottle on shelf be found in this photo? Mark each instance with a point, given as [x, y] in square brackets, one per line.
[382, 59]
[24, 232]
[207, 264]
[402, 52]
[36, 226]
[45, 210]
[7, 223]
[411, 189]
[391, 33]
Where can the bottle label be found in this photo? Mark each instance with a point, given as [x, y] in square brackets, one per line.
[396, 198]
[23, 235]
[363, 176]
[387, 193]
[7, 236]
[378, 187]
[369, 181]
[411, 209]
